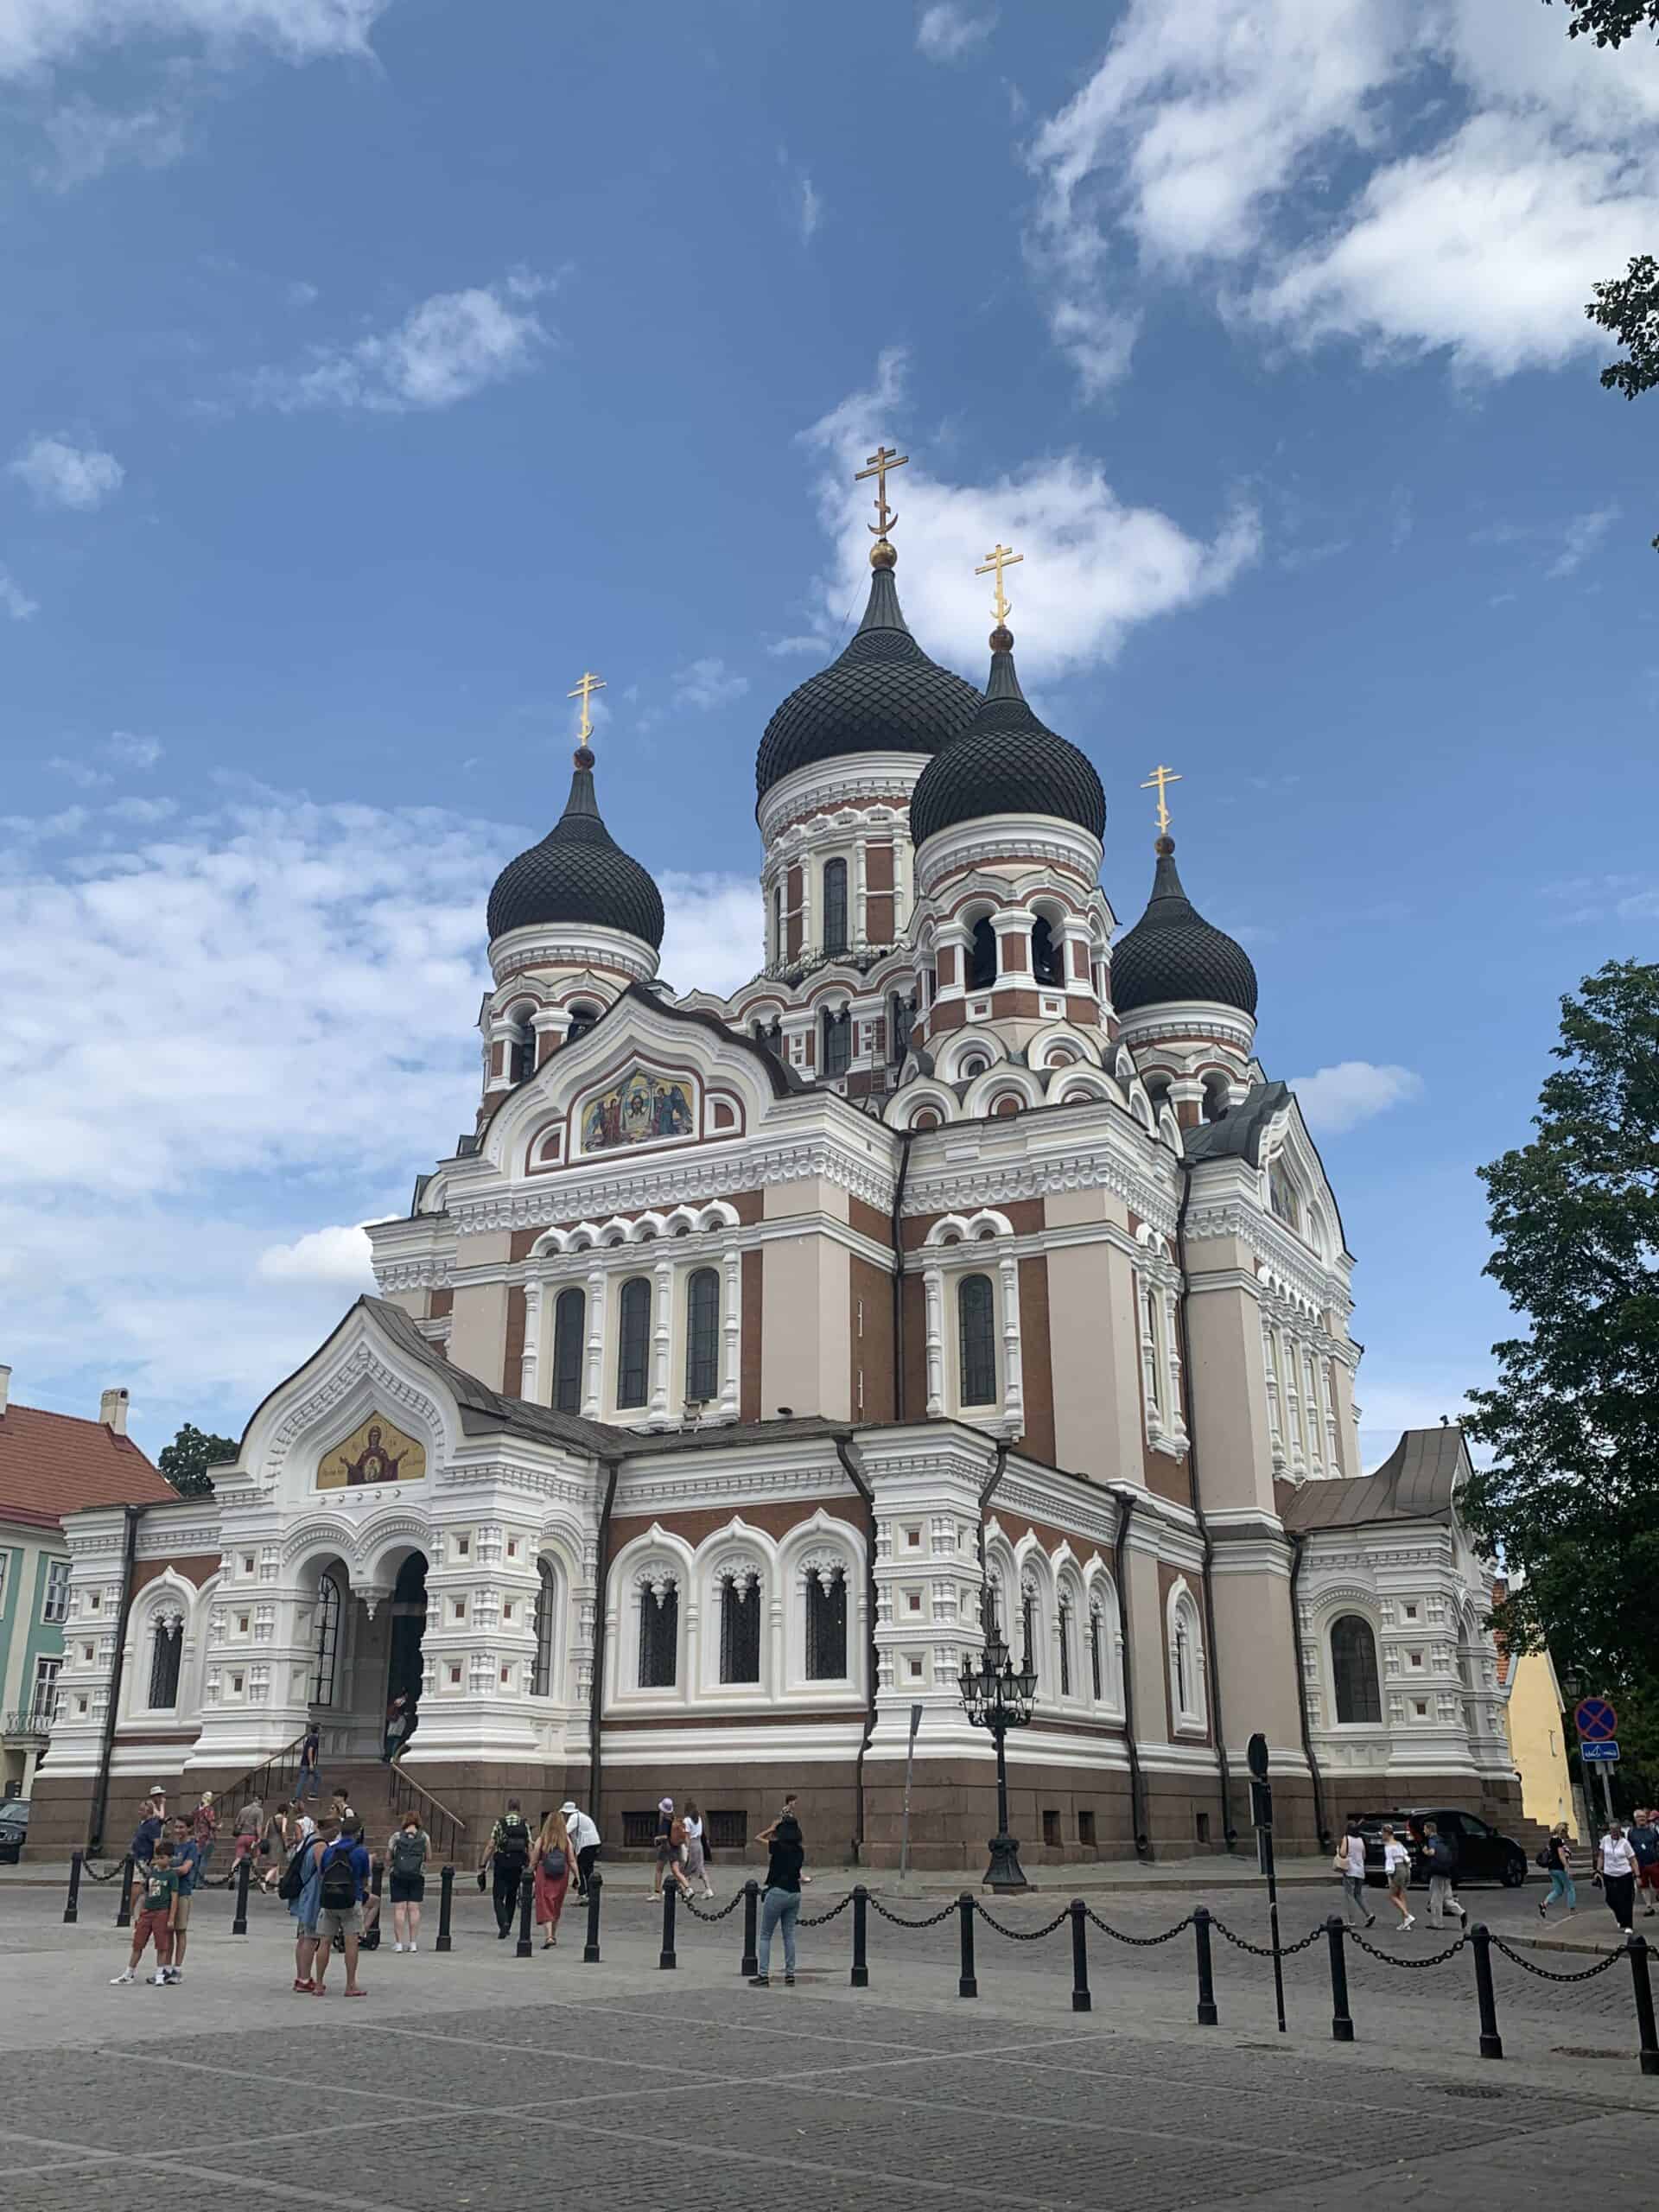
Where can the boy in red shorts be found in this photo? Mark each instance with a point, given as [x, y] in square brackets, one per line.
[155, 1904]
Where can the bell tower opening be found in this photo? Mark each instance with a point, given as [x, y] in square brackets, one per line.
[403, 1663]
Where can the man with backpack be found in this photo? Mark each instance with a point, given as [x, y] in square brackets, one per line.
[342, 1884]
[1440, 1857]
[508, 1850]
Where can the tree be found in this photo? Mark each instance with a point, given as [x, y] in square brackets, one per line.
[185, 1460]
[1572, 1498]
[1609, 22]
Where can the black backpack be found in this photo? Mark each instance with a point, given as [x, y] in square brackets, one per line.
[514, 1840]
[408, 1853]
[294, 1874]
[337, 1892]
[555, 1865]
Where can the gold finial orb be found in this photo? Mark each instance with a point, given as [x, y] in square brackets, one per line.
[1001, 640]
[883, 554]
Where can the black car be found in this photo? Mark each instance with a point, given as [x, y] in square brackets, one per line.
[13, 1829]
[1484, 1854]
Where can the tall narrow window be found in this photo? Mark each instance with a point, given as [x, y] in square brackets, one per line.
[633, 1342]
[569, 1324]
[659, 1635]
[1065, 1647]
[583, 1019]
[166, 1650]
[55, 1602]
[838, 1042]
[1151, 1363]
[547, 1594]
[981, 972]
[1353, 1666]
[976, 1340]
[778, 923]
[1028, 1624]
[740, 1627]
[826, 1625]
[1045, 953]
[521, 1052]
[702, 1336]
[901, 1016]
[1183, 1669]
[327, 1644]
[43, 1706]
[1096, 1669]
[835, 906]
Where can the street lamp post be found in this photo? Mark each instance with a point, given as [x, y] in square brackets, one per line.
[996, 1697]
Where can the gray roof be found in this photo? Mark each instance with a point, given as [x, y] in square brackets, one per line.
[1415, 1483]
[1239, 1133]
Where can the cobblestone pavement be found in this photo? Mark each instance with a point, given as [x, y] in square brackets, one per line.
[477, 2079]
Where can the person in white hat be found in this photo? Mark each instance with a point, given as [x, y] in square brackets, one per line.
[584, 1841]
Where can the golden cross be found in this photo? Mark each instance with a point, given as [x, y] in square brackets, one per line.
[998, 558]
[883, 459]
[1158, 778]
[584, 691]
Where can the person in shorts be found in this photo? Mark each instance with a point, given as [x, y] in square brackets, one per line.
[343, 1872]
[155, 1901]
[305, 1864]
[1396, 1872]
[407, 1852]
[1644, 1842]
[186, 1865]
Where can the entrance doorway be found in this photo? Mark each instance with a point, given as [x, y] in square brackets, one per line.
[403, 1658]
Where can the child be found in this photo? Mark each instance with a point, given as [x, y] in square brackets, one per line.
[156, 1899]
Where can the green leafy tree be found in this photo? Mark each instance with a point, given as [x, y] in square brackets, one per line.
[1609, 22]
[185, 1460]
[1571, 1496]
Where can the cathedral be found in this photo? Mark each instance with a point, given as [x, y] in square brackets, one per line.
[751, 1357]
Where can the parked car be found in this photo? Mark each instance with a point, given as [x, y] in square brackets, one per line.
[13, 1829]
[1485, 1854]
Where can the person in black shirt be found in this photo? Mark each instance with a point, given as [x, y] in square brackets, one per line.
[782, 1903]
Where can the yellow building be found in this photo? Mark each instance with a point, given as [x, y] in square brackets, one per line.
[1534, 1717]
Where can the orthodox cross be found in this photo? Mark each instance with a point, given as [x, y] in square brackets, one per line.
[1158, 778]
[584, 691]
[1000, 557]
[883, 459]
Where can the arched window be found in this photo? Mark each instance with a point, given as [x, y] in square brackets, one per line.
[837, 1041]
[521, 1052]
[1096, 1654]
[659, 1635]
[583, 1019]
[771, 1037]
[826, 1625]
[739, 1626]
[327, 1644]
[973, 1064]
[166, 1650]
[1282, 1196]
[1028, 1622]
[1215, 1098]
[901, 1017]
[1186, 1660]
[835, 906]
[1353, 1668]
[981, 972]
[778, 923]
[702, 1336]
[569, 1324]
[1065, 1647]
[977, 1341]
[547, 1593]
[633, 1342]
[1045, 953]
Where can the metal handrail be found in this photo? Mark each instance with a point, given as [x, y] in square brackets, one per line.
[448, 1829]
[257, 1781]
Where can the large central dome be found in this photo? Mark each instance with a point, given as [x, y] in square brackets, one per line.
[883, 695]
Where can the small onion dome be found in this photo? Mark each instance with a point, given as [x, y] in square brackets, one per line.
[1006, 762]
[577, 874]
[1172, 955]
[883, 695]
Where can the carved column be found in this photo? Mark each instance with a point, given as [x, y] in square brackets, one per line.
[1014, 1387]
[933, 1298]
[661, 1328]
[594, 1388]
[530, 1360]
[732, 1333]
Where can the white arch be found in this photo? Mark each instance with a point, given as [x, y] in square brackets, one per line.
[1189, 1699]
[969, 1229]
[646, 1565]
[824, 1541]
[169, 1594]
[739, 1549]
[1100, 1590]
[1006, 1077]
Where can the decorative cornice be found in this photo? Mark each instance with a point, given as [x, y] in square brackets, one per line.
[1033, 841]
[1185, 1018]
[824, 785]
[519, 951]
[434, 1271]
[682, 1178]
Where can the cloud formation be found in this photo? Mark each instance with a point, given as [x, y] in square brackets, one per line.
[1338, 1098]
[449, 347]
[947, 31]
[15, 599]
[714, 939]
[708, 683]
[60, 474]
[335, 1255]
[35, 35]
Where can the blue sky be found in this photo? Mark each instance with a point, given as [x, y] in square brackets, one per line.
[377, 365]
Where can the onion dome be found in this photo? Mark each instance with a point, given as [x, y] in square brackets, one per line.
[1172, 955]
[577, 874]
[882, 695]
[1006, 762]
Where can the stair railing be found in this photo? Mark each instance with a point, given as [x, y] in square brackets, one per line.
[446, 1829]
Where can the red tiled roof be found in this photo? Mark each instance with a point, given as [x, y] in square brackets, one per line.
[53, 1464]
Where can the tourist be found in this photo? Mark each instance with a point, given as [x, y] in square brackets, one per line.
[1440, 1857]
[584, 1840]
[301, 1879]
[1616, 1863]
[186, 1865]
[343, 1872]
[1350, 1863]
[397, 1725]
[204, 1827]
[340, 1809]
[1396, 1872]
[1557, 1856]
[781, 1905]
[665, 1844]
[273, 1847]
[1644, 1842]
[148, 1834]
[250, 1824]
[553, 1861]
[407, 1854]
[310, 1757]
[154, 1905]
[507, 1852]
[696, 1860]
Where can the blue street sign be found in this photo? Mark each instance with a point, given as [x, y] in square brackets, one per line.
[1607, 1752]
[1595, 1720]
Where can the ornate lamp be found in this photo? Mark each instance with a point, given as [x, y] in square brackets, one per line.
[996, 1696]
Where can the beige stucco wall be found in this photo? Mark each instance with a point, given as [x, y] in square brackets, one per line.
[1229, 1391]
[1095, 1362]
[478, 1331]
[1147, 1659]
[806, 1334]
[1256, 1656]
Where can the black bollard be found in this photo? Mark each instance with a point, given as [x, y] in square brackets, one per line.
[446, 1905]
[243, 1868]
[124, 1903]
[526, 1906]
[1639, 1954]
[590, 1949]
[1342, 2027]
[1492, 2043]
[72, 1909]
[967, 1985]
[860, 1975]
[1208, 2016]
[665, 1958]
[1081, 2000]
[751, 1928]
[377, 1889]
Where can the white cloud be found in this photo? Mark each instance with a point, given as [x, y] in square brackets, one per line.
[35, 35]
[449, 347]
[715, 937]
[87, 140]
[15, 601]
[707, 683]
[122, 749]
[335, 1255]
[62, 475]
[811, 211]
[946, 31]
[780, 647]
[131, 751]
[81, 773]
[1093, 567]
[1584, 533]
[1338, 1098]
[1570, 540]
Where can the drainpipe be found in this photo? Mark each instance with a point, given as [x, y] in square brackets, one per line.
[1229, 1835]
[106, 1752]
[1298, 1544]
[596, 1689]
[1137, 1780]
[845, 1453]
[905, 1139]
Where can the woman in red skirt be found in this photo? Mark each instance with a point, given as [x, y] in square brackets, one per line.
[553, 1862]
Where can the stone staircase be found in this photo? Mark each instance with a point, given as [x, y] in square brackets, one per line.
[380, 1795]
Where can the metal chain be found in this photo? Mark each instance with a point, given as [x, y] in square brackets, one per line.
[89, 1872]
[1024, 1935]
[697, 1912]
[899, 1920]
[1265, 1950]
[1544, 1972]
[1412, 1966]
[818, 1918]
[1138, 1943]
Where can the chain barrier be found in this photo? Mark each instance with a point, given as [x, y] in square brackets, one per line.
[818, 1918]
[90, 1873]
[1265, 1950]
[899, 1920]
[1024, 1935]
[1544, 1973]
[1411, 1966]
[697, 1912]
[1138, 1943]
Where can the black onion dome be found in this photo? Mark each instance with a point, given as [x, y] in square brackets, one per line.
[1006, 762]
[1172, 953]
[577, 874]
[882, 695]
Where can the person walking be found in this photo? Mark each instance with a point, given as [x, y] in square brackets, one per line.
[554, 1862]
[1557, 1856]
[300, 1882]
[1440, 1857]
[665, 1844]
[1616, 1863]
[1350, 1863]
[397, 1725]
[507, 1852]
[584, 1841]
[308, 1782]
[407, 1852]
[249, 1826]
[1396, 1872]
[204, 1827]
[155, 1903]
[186, 1865]
[1644, 1842]
[273, 1848]
[695, 1856]
[781, 1905]
[343, 1870]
